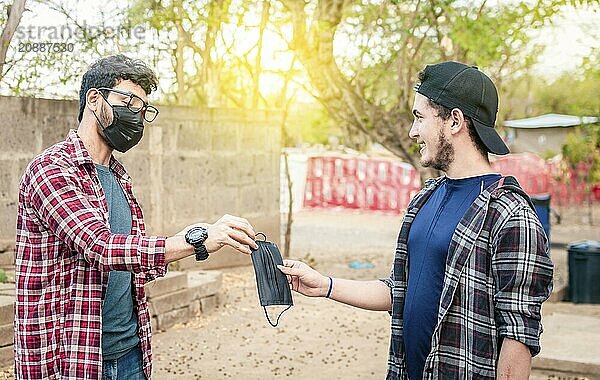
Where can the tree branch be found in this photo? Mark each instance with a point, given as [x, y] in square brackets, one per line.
[14, 18]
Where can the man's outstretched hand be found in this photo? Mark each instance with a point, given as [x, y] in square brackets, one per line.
[232, 231]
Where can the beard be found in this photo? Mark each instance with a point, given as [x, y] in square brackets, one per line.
[104, 119]
[444, 155]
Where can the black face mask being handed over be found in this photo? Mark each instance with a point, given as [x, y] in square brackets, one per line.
[126, 129]
[273, 288]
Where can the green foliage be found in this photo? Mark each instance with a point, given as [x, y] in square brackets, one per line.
[310, 124]
[583, 147]
[200, 42]
[385, 45]
[577, 93]
[4, 7]
[548, 154]
[394, 42]
[51, 72]
[569, 95]
[572, 93]
[205, 53]
[3, 277]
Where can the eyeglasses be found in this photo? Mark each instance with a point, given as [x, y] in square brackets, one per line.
[135, 104]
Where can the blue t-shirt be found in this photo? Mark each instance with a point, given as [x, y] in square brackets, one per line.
[428, 242]
[119, 320]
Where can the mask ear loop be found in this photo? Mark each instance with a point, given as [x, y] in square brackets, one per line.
[264, 236]
[279, 316]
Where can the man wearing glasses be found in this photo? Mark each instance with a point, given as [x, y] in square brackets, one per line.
[82, 255]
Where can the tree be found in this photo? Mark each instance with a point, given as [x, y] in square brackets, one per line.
[368, 93]
[202, 41]
[572, 93]
[359, 59]
[581, 150]
[186, 33]
[15, 11]
[40, 69]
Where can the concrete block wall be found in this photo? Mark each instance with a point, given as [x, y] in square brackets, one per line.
[193, 165]
[26, 125]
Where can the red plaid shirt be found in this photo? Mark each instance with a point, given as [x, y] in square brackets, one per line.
[64, 251]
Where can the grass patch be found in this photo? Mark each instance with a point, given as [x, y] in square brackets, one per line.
[3, 277]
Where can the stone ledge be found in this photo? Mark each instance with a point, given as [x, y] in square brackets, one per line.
[168, 302]
[7, 335]
[204, 283]
[7, 246]
[210, 303]
[175, 298]
[7, 254]
[170, 318]
[7, 309]
[171, 282]
[199, 297]
[7, 289]
[7, 356]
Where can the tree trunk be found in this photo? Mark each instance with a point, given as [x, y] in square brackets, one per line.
[179, 72]
[257, 66]
[290, 219]
[343, 100]
[218, 13]
[285, 106]
[14, 18]
[178, 53]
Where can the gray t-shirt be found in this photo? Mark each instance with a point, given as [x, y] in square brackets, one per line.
[119, 319]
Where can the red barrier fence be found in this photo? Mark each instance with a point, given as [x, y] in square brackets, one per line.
[387, 185]
[565, 185]
[360, 183]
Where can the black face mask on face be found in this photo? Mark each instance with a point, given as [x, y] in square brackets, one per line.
[126, 129]
[273, 288]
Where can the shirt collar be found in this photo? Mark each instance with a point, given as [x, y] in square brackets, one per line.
[118, 168]
[79, 153]
[81, 156]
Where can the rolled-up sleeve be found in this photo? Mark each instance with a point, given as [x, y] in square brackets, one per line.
[522, 271]
[388, 281]
[66, 211]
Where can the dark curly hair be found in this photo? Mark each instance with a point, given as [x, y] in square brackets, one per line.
[109, 71]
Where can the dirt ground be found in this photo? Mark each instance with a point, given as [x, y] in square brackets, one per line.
[316, 339]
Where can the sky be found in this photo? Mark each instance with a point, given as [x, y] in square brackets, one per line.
[569, 39]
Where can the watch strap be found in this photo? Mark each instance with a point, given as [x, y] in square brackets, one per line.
[201, 253]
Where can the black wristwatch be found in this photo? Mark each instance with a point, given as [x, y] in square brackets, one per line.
[196, 236]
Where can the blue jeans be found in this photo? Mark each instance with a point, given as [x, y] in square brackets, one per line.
[128, 366]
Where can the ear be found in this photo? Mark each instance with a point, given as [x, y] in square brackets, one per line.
[458, 121]
[93, 99]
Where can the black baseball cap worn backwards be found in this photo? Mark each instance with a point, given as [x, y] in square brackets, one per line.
[456, 85]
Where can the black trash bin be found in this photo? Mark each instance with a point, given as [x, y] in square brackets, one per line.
[584, 271]
[541, 203]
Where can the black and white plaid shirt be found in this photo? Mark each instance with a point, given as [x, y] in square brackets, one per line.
[498, 274]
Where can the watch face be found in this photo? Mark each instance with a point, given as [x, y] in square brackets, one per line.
[195, 234]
